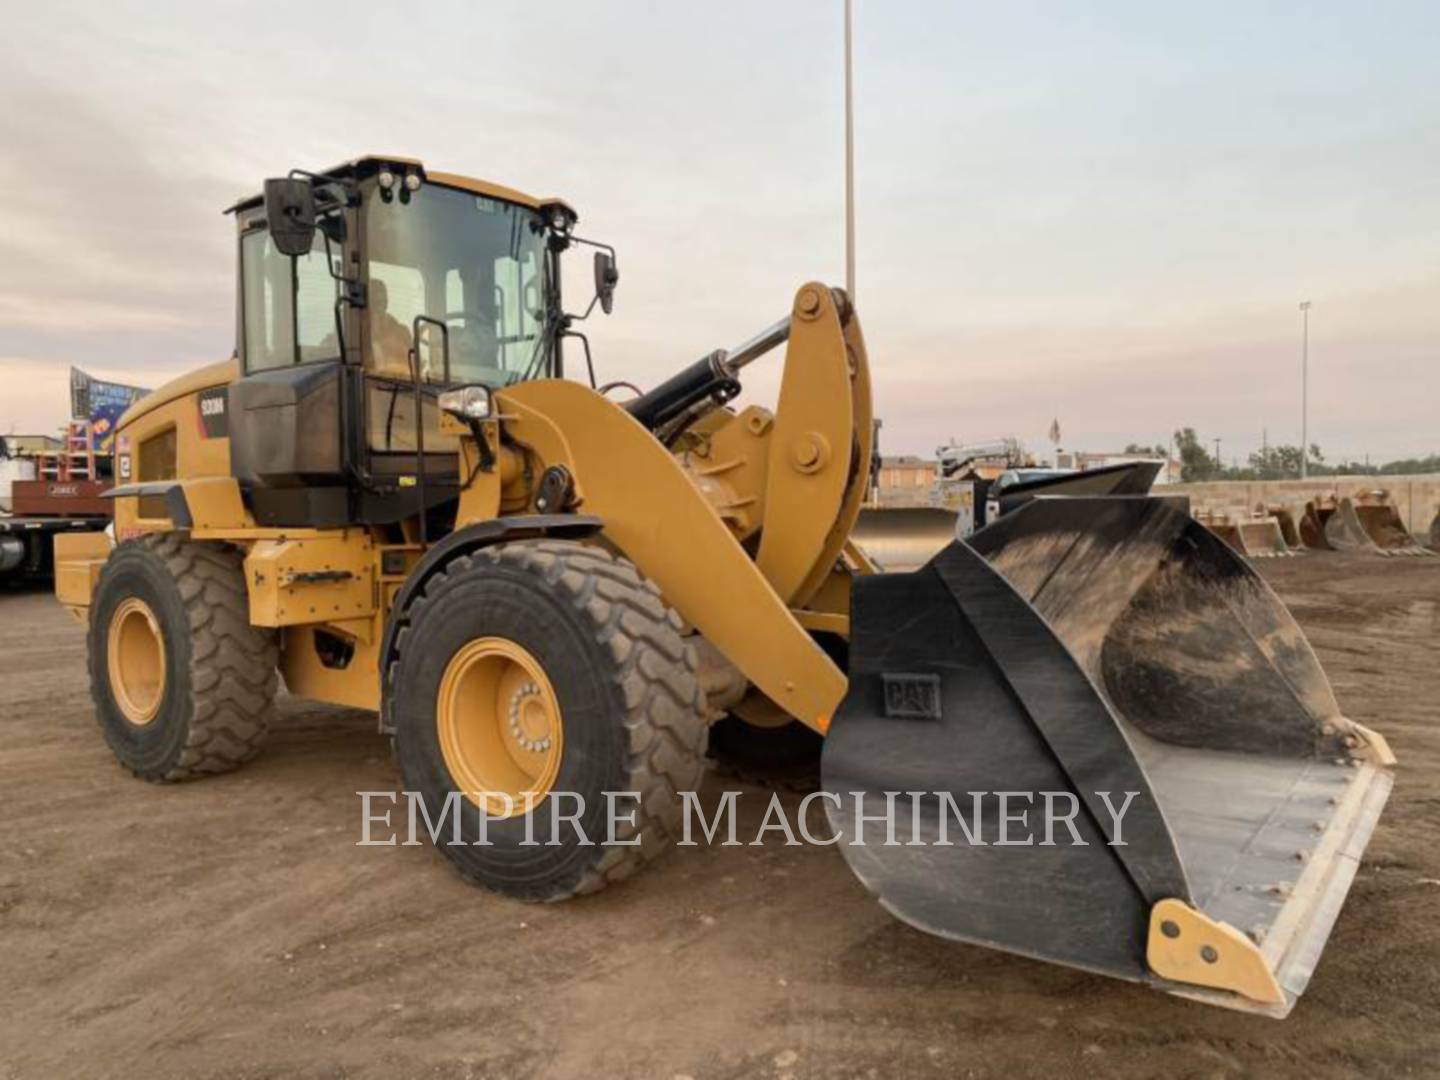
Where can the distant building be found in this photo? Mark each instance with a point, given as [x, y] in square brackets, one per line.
[906, 471]
[30, 445]
[903, 481]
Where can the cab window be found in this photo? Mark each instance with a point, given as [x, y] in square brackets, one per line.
[473, 264]
[288, 304]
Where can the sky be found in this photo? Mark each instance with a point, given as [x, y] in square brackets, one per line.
[1105, 214]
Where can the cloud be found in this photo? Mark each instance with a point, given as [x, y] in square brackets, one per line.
[1106, 215]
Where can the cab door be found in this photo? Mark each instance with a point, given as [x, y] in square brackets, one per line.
[287, 448]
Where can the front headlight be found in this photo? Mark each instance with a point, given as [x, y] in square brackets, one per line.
[467, 402]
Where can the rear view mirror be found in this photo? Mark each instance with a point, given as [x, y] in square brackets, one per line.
[290, 214]
[606, 278]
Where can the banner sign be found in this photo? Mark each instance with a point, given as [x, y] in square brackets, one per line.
[101, 403]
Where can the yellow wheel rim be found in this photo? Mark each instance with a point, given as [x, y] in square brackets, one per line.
[136, 661]
[499, 723]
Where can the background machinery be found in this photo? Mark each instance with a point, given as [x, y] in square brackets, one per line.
[1254, 533]
[396, 496]
[906, 537]
[1369, 522]
[1366, 523]
[50, 494]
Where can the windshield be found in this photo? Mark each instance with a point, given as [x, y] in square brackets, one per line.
[475, 264]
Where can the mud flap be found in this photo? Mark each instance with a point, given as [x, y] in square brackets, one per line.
[1095, 659]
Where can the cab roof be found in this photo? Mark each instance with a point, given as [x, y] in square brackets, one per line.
[371, 163]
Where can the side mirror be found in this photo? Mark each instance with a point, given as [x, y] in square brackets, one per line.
[290, 214]
[606, 278]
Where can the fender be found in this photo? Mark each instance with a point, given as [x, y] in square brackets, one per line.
[177, 508]
[202, 504]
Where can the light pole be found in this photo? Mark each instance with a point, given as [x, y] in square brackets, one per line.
[849, 164]
[1304, 388]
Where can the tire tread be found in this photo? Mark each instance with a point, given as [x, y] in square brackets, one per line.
[233, 677]
[654, 670]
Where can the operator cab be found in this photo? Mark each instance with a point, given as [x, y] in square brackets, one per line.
[365, 292]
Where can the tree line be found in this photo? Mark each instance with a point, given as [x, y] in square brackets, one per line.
[1280, 462]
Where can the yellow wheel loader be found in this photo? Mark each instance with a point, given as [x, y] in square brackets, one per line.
[404, 494]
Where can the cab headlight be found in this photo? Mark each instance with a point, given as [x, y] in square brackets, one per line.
[467, 402]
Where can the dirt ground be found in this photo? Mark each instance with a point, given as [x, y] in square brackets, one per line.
[231, 928]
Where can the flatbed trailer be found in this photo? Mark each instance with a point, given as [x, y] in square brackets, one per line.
[42, 509]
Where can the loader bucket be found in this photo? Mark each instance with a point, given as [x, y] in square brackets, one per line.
[1262, 537]
[1224, 529]
[1078, 653]
[1285, 521]
[1370, 524]
[899, 538]
[1312, 524]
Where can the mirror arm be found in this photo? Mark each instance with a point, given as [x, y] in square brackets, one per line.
[581, 318]
[594, 244]
[348, 186]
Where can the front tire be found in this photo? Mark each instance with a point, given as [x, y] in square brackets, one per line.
[548, 667]
[183, 685]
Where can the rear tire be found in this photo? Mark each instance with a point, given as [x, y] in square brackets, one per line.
[183, 685]
[630, 712]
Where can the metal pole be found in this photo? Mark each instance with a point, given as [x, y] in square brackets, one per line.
[1304, 388]
[849, 163]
